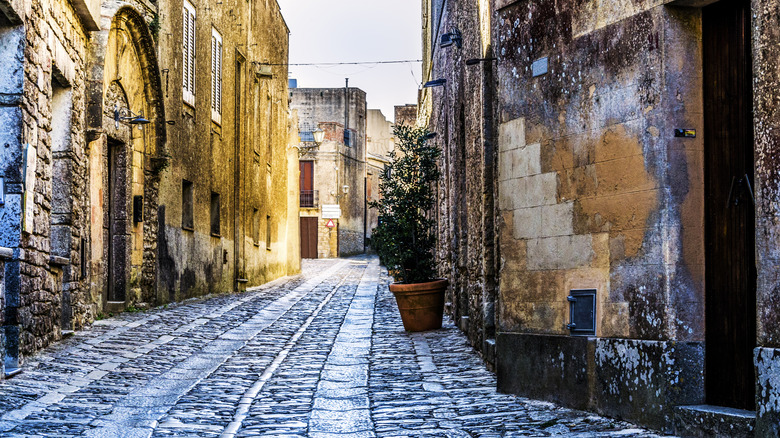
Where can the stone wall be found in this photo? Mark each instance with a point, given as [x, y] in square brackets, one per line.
[405, 115]
[766, 108]
[336, 164]
[462, 114]
[594, 191]
[596, 194]
[44, 49]
[242, 158]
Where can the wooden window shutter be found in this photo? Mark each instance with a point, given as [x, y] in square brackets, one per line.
[216, 76]
[188, 40]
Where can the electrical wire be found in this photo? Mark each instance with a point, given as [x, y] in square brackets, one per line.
[324, 64]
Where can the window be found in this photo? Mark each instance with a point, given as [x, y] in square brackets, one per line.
[216, 76]
[268, 233]
[215, 214]
[256, 226]
[187, 191]
[188, 40]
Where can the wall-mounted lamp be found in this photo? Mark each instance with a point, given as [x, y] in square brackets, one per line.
[131, 118]
[306, 146]
[346, 189]
[475, 61]
[450, 38]
[435, 83]
[319, 136]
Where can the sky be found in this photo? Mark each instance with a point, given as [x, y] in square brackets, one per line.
[357, 30]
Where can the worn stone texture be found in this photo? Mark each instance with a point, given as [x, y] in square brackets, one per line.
[767, 362]
[95, 224]
[463, 115]
[243, 158]
[591, 188]
[44, 52]
[379, 143]
[336, 164]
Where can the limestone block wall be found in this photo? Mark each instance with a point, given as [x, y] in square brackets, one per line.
[43, 47]
[593, 190]
[766, 107]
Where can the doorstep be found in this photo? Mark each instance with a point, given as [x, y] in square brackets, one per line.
[712, 421]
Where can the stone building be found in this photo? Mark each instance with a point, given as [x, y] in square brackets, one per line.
[612, 245]
[43, 77]
[101, 140]
[333, 210]
[379, 143]
[405, 114]
[226, 211]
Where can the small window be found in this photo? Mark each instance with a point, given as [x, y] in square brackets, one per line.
[215, 214]
[268, 233]
[582, 312]
[216, 76]
[256, 226]
[187, 191]
[188, 45]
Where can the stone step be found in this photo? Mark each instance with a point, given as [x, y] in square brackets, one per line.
[713, 421]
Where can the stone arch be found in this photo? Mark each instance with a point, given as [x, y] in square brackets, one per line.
[125, 74]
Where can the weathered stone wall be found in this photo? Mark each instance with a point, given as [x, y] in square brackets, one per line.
[766, 113]
[44, 55]
[338, 165]
[595, 193]
[243, 158]
[462, 113]
[380, 142]
[405, 114]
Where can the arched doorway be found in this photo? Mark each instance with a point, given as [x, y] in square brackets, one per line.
[125, 162]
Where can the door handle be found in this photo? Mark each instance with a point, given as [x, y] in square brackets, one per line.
[731, 190]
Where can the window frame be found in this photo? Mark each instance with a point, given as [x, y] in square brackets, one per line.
[189, 20]
[217, 50]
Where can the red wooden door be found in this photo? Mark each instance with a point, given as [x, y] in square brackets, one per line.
[309, 237]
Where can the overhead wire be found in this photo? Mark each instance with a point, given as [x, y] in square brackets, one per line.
[325, 64]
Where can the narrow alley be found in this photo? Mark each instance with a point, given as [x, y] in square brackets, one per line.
[318, 354]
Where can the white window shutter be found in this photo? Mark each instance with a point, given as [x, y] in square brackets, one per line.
[216, 76]
[188, 69]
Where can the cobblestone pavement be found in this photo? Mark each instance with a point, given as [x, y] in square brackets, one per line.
[322, 354]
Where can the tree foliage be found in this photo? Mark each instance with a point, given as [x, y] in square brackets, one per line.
[405, 237]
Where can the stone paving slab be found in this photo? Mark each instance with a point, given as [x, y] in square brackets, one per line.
[322, 354]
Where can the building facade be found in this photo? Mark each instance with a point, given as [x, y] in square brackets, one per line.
[332, 174]
[608, 210]
[96, 214]
[380, 142]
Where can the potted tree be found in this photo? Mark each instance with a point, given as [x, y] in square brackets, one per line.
[405, 237]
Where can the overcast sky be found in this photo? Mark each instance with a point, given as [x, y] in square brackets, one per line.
[357, 30]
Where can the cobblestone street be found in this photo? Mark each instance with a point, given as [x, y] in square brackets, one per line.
[320, 354]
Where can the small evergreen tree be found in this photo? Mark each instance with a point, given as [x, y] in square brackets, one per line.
[405, 237]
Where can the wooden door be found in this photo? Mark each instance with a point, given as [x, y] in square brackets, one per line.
[309, 237]
[729, 206]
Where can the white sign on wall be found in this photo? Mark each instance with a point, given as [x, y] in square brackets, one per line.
[331, 211]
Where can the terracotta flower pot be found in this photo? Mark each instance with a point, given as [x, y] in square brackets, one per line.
[421, 304]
